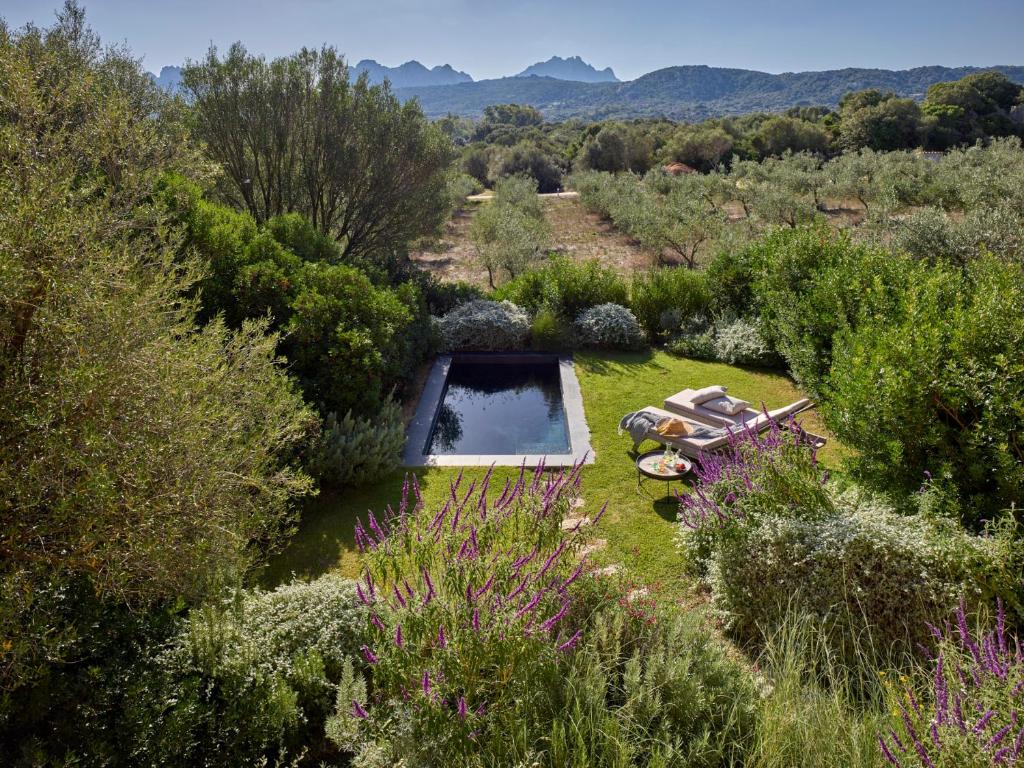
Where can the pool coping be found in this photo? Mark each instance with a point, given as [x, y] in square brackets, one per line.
[433, 390]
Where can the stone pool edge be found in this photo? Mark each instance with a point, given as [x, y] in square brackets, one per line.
[433, 390]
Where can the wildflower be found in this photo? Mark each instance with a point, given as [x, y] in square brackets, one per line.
[369, 655]
[358, 711]
[442, 641]
[399, 640]
[462, 708]
[569, 644]
[426, 683]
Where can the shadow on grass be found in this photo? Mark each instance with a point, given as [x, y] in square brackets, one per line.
[325, 538]
[619, 363]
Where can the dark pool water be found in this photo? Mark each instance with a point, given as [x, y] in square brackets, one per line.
[501, 408]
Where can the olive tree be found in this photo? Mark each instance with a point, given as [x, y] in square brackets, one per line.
[295, 135]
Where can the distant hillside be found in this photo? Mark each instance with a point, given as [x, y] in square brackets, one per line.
[573, 68]
[412, 74]
[169, 78]
[683, 93]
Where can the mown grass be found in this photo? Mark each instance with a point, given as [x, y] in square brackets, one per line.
[639, 530]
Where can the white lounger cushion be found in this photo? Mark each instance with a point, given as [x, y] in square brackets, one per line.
[700, 396]
[730, 406]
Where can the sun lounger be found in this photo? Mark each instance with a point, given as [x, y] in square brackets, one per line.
[682, 404]
[706, 438]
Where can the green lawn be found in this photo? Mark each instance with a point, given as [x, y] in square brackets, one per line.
[639, 530]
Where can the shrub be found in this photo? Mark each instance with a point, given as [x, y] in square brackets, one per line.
[729, 277]
[609, 326]
[695, 339]
[485, 325]
[662, 297]
[250, 680]
[354, 450]
[489, 645]
[739, 342]
[934, 374]
[565, 286]
[776, 537]
[351, 342]
[550, 332]
[810, 283]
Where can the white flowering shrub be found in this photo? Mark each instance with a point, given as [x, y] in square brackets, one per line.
[609, 326]
[739, 342]
[485, 326]
[250, 680]
[695, 338]
[356, 451]
[873, 576]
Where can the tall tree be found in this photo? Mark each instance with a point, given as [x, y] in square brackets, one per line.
[296, 135]
[142, 461]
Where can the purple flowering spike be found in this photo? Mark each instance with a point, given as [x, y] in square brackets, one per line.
[476, 620]
[398, 596]
[462, 708]
[550, 623]
[399, 640]
[362, 595]
[375, 620]
[358, 711]
[442, 641]
[888, 754]
[426, 683]
[369, 655]
[569, 644]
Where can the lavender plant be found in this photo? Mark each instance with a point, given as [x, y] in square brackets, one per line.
[755, 473]
[968, 717]
[470, 615]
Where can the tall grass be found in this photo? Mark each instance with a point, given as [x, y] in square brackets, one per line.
[816, 711]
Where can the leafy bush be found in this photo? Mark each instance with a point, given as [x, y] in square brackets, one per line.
[550, 332]
[489, 645]
[566, 287]
[248, 680]
[937, 374]
[356, 450]
[351, 342]
[776, 537]
[609, 326]
[739, 342]
[486, 326]
[811, 283]
[661, 298]
[695, 339]
[730, 277]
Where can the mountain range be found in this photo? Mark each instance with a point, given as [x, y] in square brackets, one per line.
[684, 93]
[678, 93]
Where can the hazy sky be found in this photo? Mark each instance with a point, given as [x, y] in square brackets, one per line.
[489, 39]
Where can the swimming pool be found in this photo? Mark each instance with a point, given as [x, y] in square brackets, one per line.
[499, 409]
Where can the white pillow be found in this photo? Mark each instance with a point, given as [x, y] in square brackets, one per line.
[708, 393]
[729, 406]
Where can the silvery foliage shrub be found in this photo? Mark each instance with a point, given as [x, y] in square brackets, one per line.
[873, 575]
[773, 536]
[355, 450]
[739, 342]
[485, 326]
[609, 326]
[248, 680]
